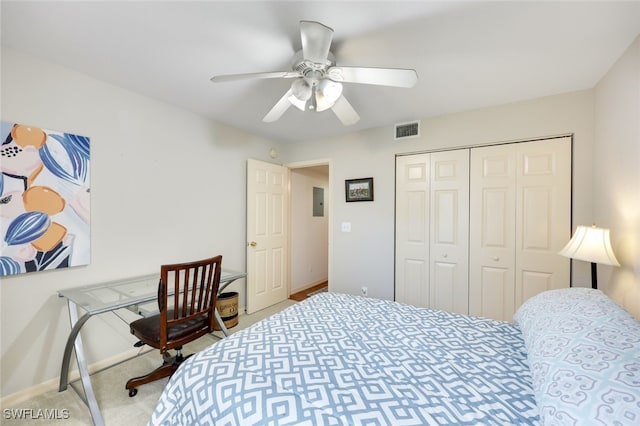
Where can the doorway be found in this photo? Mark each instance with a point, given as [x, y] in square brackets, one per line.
[309, 193]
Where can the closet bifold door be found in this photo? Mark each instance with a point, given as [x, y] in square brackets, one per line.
[412, 229]
[543, 217]
[449, 231]
[492, 231]
[521, 199]
[432, 230]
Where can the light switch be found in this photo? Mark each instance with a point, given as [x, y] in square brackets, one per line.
[346, 226]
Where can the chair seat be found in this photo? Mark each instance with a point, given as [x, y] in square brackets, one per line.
[148, 329]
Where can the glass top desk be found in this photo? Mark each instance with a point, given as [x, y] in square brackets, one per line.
[107, 297]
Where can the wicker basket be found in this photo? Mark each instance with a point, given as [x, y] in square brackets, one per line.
[227, 305]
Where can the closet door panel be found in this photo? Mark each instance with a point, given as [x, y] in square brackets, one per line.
[536, 218]
[492, 232]
[443, 287]
[412, 229]
[496, 300]
[414, 287]
[544, 216]
[449, 231]
[495, 217]
[535, 282]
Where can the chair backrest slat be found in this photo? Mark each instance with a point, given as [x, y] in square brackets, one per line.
[186, 288]
[176, 290]
[206, 294]
[195, 293]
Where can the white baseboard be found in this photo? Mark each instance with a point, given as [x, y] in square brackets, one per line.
[50, 385]
[25, 394]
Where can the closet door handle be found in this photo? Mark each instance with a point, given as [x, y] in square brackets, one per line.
[496, 258]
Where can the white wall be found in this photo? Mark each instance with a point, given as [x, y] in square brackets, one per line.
[365, 256]
[309, 234]
[616, 175]
[167, 186]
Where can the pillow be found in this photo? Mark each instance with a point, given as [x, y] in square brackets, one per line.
[583, 350]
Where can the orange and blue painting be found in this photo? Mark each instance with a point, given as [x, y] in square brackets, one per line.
[44, 199]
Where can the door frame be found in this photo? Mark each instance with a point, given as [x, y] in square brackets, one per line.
[328, 204]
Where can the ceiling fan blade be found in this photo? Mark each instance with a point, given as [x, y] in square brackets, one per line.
[316, 41]
[279, 108]
[273, 74]
[345, 112]
[396, 77]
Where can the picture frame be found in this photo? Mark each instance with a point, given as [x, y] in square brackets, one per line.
[358, 189]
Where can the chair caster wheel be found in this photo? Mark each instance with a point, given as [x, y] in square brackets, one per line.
[133, 392]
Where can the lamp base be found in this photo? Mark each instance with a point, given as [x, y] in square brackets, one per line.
[594, 276]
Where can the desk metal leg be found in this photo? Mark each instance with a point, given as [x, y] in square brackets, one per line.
[68, 349]
[223, 327]
[76, 339]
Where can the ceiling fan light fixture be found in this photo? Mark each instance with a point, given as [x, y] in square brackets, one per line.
[301, 105]
[301, 89]
[327, 93]
[300, 93]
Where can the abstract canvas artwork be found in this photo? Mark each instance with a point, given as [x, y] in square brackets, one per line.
[44, 199]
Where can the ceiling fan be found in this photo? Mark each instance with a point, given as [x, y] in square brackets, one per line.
[317, 83]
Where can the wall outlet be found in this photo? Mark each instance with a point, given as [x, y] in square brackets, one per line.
[365, 291]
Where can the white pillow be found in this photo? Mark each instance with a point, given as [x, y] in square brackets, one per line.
[584, 353]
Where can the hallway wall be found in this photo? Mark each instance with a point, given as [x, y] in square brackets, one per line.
[309, 234]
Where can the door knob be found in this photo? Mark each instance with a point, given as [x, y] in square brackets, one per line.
[252, 244]
[496, 258]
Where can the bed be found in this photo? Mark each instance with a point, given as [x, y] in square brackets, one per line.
[335, 359]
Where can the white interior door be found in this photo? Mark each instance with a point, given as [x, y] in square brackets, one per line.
[432, 211]
[449, 240]
[492, 232]
[521, 199]
[412, 229]
[543, 216]
[267, 241]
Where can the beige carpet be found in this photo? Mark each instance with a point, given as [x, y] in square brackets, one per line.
[116, 406]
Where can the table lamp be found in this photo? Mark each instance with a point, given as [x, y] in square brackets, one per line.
[591, 244]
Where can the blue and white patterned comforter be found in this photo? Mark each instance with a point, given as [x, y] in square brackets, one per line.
[337, 359]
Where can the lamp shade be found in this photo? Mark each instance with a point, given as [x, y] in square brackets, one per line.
[591, 244]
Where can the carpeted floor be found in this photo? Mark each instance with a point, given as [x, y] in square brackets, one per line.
[116, 406]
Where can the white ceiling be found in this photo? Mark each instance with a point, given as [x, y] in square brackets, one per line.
[467, 55]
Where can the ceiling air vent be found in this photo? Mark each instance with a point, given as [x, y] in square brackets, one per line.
[407, 130]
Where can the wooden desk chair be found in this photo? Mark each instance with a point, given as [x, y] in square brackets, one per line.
[187, 299]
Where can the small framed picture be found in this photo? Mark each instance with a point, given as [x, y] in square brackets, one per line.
[359, 189]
